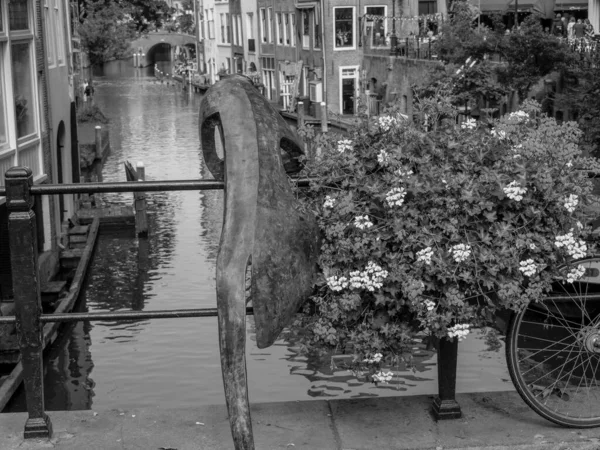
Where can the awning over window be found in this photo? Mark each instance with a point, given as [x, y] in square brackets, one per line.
[306, 4]
[562, 5]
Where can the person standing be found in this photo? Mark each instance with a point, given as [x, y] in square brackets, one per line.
[589, 29]
[558, 28]
[579, 29]
[570, 32]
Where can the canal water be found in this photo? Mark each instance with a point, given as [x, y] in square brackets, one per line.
[175, 362]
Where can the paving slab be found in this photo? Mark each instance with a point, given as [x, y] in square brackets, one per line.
[491, 421]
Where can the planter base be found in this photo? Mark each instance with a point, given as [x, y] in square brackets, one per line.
[445, 409]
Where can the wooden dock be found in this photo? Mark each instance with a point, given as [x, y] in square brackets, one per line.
[114, 214]
[10, 382]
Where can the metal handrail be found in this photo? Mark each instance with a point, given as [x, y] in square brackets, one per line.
[124, 315]
[137, 186]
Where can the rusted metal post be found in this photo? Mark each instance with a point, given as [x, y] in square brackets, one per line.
[300, 110]
[28, 305]
[141, 210]
[324, 124]
[98, 141]
[445, 405]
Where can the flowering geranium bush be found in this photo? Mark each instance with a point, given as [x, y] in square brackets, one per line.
[434, 232]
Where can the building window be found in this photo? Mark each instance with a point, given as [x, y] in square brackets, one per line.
[18, 15]
[237, 30]
[343, 28]
[305, 29]
[3, 113]
[377, 25]
[286, 27]
[225, 29]
[279, 28]
[316, 31]
[60, 32]
[49, 34]
[268, 72]
[263, 24]
[211, 23]
[270, 24]
[293, 30]
[427, 7]
[23, 85]
[19, 97]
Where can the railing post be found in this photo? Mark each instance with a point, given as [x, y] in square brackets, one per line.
[22, 236]
[324, 123]
[445, 405]
[300, 109]
[141, 213]
[98, 141]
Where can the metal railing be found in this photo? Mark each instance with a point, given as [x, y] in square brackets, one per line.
[20, 192]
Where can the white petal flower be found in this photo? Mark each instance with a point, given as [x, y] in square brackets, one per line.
[343, 145]
[425, 255]
[329, 202]
[362, 222]
[395, 197]
[461, 252]
[514, 191]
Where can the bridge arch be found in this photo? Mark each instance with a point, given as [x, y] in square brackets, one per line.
[153, 46]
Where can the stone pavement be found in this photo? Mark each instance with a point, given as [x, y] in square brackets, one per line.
[491, 421]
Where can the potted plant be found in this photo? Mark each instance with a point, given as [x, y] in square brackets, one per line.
[435, 232]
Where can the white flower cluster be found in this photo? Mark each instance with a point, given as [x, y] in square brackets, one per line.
[569, 164]
[329, 202]
[519, 116]
[429, 305]
[469, 124]
[460, 330]
[514, 191]
[571, 202]
[579, 225]
[528, 267]
[336, 284]
[575, 273]
[382, 377]
[425, 255]
[404, 173]
[375, 359]
[499, 134]
[395, 197]
[362, 222]
[575, 249]
[343, 145]
[386, 122]
[383, 158]
[461, 252]
[371, 278]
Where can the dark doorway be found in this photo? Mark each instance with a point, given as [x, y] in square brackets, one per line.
[348, 92]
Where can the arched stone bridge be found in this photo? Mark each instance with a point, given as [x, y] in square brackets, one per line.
[159, 46]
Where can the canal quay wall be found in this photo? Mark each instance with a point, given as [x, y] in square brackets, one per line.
[491, 421]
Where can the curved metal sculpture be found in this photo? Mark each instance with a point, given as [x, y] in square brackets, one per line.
[263, 229]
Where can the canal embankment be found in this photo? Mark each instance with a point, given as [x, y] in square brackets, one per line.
[491, 421]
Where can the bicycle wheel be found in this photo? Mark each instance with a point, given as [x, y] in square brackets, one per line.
[553, 351]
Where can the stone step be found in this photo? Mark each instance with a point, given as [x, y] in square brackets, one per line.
[53, 290]
[78, 230]
[78, 238]
[70, 258]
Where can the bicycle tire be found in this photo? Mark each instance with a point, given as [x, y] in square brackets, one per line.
[551, 351]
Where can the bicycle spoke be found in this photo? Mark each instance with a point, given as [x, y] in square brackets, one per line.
[548, 348]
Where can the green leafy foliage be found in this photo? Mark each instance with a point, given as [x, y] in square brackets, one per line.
[431, 231]
[106, 32]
